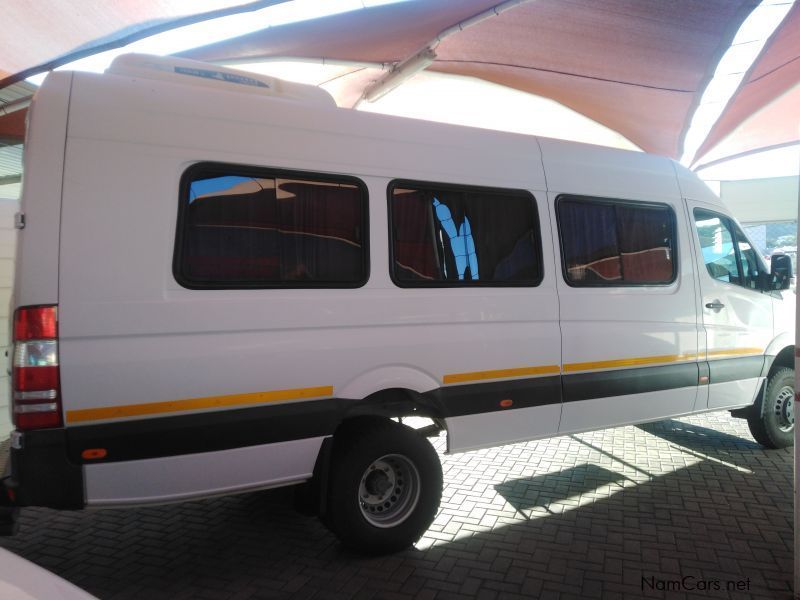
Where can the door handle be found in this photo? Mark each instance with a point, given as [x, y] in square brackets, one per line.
[715, 305]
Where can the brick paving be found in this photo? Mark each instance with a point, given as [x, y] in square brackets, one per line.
[631, 512]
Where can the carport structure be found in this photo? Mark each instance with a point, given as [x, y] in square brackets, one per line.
[639, 68]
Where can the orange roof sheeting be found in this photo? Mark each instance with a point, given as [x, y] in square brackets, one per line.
[12, 125]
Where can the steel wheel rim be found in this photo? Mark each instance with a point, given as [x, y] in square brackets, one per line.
[784, 409]
[389, 490]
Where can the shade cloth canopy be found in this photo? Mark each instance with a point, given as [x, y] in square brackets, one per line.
[638, 67]
[765, 111]
[37, 36]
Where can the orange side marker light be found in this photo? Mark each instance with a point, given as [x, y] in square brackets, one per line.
[94, 453]
[507, 403]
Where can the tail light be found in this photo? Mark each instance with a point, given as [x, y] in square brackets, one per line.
[35, 376]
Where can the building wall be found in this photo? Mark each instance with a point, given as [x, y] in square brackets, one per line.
[761, 200]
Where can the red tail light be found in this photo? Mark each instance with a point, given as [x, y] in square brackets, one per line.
[35, 375]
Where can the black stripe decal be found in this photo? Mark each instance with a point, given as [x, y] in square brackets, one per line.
[237, 428]
[207, 432]
[733, 369]
[477, 398]
[588, 386]
[705, 372]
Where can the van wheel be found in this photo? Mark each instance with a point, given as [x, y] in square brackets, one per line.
[385, 487]
[772, 419]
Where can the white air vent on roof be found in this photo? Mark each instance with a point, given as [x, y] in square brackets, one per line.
[192, 72]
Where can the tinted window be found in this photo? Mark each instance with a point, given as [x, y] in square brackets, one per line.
[751, 263]
[716, 243]
[728, 261]
[616, 243]
[461, 236]
[246, 228]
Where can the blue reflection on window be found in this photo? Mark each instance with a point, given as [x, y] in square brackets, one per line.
[461, 241]
[206, 187]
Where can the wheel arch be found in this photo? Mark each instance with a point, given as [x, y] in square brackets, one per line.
[784, 358]
[391, 391]
[358, 414]
[394, 402]
[388, 377]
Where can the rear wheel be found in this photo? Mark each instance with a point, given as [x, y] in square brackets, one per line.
[385, 487]
[772, 419]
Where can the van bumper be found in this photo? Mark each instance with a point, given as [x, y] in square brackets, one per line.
[37, 472]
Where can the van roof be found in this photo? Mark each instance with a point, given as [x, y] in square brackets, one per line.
[196, 73]
[233, 105]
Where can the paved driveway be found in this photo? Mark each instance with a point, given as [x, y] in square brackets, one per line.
[680, 508]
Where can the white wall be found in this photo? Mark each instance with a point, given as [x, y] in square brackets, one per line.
[7, 249]
[761, 200]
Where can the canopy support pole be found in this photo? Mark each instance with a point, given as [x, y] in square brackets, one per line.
[423, 58]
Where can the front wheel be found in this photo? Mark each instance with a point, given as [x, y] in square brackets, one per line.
[772, 419]
[385, 487]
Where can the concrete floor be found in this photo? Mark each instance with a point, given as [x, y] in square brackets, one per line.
[680, 508]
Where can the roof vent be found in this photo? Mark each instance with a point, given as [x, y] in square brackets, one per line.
[192, 72]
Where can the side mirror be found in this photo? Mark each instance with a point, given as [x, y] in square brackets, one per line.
[780, 271]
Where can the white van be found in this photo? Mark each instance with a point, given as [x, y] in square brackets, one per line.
[225, 283]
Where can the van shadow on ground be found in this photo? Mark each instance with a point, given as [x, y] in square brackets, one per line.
[543, 491]
[700, 438]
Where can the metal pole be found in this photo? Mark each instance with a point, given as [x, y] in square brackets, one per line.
[423, 57]
[796, 444]
[15, 105]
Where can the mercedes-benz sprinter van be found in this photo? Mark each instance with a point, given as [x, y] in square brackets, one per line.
[225, 283]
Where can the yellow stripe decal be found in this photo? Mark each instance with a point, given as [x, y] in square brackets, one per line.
[627, 362]
[500, 374]
[595, 365]
[650, 360]
[154, 408]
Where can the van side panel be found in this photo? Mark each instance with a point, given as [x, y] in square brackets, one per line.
[629, 352]
[529, 337]
[177, 478]
[151, 369]
[38, 243]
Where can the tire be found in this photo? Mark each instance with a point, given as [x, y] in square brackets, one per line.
[772, 419]
[9, 520]
[385, 487]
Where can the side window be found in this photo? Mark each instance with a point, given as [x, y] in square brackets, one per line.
[728, 255]
[752, 268]
[240, 227]
[610, 242]
[451, 235]
[716, 243]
